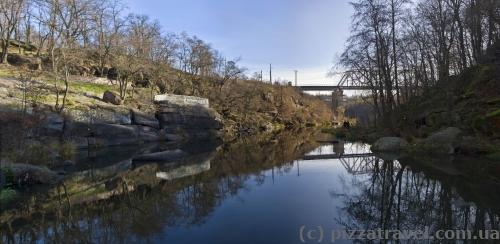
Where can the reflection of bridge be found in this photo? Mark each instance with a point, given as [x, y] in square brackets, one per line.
[364, 165]
[355, 162]
[331, 156]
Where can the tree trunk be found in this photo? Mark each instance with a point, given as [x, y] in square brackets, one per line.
[5, 50]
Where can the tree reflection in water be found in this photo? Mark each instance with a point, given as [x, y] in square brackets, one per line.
[395, 196]
[133, 205]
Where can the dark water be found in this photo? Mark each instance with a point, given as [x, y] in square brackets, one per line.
[252, 190]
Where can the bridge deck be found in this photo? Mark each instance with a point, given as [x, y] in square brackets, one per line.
[330, 88]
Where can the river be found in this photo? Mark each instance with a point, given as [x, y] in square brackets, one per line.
[282, 188]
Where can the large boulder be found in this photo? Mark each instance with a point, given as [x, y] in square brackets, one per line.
[111, 97]
[443, 142]
[389, 144]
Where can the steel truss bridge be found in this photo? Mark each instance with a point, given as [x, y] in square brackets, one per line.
[355, 79]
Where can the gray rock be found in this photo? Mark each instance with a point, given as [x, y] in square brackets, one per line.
[445, 142]
[113, 135]
[173, 137]
[110, 141]
[149, 136]
[389, 144]
[52, 125]
[80, 142]
[67, 163]
[99, 130]
[168, 155]
[93, 116]
[77, 129]
[111, 97]
[138, 118]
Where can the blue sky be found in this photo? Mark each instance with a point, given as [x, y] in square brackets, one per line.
[303, 35]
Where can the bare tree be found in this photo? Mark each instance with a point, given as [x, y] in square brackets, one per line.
[10, 14]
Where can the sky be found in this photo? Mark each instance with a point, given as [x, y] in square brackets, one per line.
[302, 35]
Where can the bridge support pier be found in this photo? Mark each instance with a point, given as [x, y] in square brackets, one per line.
[337, 98]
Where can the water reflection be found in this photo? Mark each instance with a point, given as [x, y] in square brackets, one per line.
[110, 199]
[251, 190]
[409, 194]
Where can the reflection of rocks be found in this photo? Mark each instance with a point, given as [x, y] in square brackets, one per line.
[443, 164]
[132, 203]
[389, 144]
[168, 155]
[184, 171]
[27, 173]
[389, 155]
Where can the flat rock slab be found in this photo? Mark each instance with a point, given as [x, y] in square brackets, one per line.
[168, 155]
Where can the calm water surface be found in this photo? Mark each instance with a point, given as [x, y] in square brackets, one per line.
[248, 191]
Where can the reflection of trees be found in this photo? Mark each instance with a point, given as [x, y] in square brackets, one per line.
[399, 199]
[140, 208]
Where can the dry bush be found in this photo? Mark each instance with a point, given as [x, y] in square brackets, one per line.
[16, 146]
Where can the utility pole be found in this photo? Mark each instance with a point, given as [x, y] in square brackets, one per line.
[295, 77]
[260, 75]
[270, 74]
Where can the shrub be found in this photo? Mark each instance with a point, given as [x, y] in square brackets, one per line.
[6, 195]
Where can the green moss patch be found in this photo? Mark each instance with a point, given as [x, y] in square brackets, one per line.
[493, 113]
[493, 101]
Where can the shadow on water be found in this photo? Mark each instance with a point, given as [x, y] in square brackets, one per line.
[108, 199]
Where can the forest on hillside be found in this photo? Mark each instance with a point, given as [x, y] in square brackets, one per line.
[101, 38]
[402, 49]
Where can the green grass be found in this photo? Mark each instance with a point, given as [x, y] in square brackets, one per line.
[91, 87]
[6, 73]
